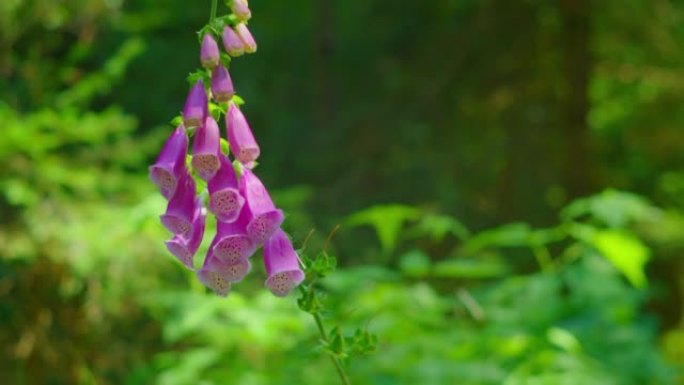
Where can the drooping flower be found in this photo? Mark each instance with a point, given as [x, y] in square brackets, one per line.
[183, 249]
[225, 200]
[231, 242]
[241, 9]
[242, 143]
[265, 218]
[282, 265]
[215, 281]
[232, 42]
[180, 211]
[196, 107]
[209, 52]
[170, 164]
[221, 84]
[218, 275]
[206, 148]
[246, 37]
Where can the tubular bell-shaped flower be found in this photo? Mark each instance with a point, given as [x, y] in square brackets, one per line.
[206, 148]
[185, 250]
[250, 45]
[232, 42]
[241, 9]
[231, 243]
[209, 52]
[225, 200]
[221, 85]
[214, 280]
[170, 164]
[265, 218]
[242, 143]
[196, 107]
[282, 265]
[216, 273]
[180, 211]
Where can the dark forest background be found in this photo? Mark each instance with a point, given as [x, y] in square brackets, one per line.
[508, 177]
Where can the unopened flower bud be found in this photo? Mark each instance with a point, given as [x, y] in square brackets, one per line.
[209, 52]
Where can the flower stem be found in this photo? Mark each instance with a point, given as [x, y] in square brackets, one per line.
[336, 362]
[318, 318]
[212, 16]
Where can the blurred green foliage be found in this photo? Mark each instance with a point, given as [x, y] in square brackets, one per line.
[477, 154]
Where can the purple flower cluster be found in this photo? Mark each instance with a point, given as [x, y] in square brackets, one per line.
[246, 216]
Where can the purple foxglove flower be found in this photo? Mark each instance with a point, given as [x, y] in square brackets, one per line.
[180, 211]
[215, 281]
[225, 200]
[170, 164]
[241, 9]
[221, 84]
[231, 243]
[196, 107]
[209, 52]
[246, 37]
[265, 218]
[214, 268]
[242, 143]
[232, 42]
[206, 148]
[282, 265]
[183, 249]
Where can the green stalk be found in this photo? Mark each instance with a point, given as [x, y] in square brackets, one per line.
[324, 336]
[212, 16]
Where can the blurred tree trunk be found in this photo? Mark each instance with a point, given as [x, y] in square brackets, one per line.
[577, 164]
[324, 44]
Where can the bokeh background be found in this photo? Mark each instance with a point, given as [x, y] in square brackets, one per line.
[508, 177]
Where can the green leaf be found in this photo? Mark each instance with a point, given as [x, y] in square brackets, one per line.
[238, 100]
[177, 121]
[337, 342]
[415, 263]
[439, 226]
[470, 268]
[387, 220]
[564, 340]
[626, 252]
[225, 60]
[323, 265]
[510, 235]
[199, 74]
[611, 207]
[309, 301]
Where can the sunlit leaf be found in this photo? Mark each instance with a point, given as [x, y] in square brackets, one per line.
[387, 220]
[626, 252]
